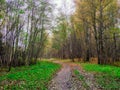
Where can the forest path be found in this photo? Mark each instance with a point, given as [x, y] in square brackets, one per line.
[66, 79]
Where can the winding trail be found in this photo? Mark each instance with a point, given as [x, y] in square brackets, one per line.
[65, 79]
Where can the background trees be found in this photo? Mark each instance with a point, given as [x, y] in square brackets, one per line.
[23, 26]
[90, 32]
[93, 32]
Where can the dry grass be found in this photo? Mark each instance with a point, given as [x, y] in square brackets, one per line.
[117, 63]
[94, 60]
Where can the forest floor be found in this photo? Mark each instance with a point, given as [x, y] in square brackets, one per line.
[61, 75]
[73, 76]
[33, 77]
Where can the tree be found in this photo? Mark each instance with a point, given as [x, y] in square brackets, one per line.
[96, 17]
[23, 29]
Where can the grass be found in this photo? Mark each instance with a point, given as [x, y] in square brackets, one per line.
[108, 77]
[81, 78]
[34, 77]
[113, 70]
[77, 73]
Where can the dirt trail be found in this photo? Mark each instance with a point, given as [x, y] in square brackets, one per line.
[66, 80]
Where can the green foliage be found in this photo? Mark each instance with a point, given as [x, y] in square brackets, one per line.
[108, 82]
[77, 73]
[115, 71]
[29, 77]
[2, 1]
[21, 11]
[112, 31]
[81, 78]
[108, 77]
[60, 33]
[2, 14]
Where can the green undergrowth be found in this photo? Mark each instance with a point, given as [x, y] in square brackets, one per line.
[77, 73]
[108, 77]
[34, 77]
[81, 78]
[111, 70]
